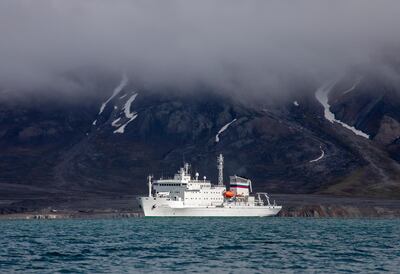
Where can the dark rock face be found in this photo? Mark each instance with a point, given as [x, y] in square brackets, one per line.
[69, 148]
[260, 144]
[366, 102]
[388, 132]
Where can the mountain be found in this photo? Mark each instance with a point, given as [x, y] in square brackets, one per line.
[342, 138]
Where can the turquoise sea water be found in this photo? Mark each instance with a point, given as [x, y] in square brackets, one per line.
[231, 245]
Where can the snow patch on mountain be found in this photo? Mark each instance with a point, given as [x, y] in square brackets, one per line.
[322, 96]
[121, 129]
[115, 123]
[296, 103]
[128, 114]
[356, 83]
[116, 91]
[127, 107]
[225, 127]
[320, 157]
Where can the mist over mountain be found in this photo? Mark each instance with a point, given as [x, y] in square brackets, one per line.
[241, 48]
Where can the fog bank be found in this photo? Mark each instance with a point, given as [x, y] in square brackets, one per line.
[245, 47]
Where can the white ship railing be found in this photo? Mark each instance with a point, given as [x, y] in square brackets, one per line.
[200, 181]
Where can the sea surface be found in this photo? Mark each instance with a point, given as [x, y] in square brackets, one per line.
[228, 245]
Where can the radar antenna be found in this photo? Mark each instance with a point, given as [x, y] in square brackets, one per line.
[220, 166]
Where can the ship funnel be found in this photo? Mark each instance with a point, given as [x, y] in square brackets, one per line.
[220, 166]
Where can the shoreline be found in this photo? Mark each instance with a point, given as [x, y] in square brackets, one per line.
[313, 205]
[70, 215]
[113, 207]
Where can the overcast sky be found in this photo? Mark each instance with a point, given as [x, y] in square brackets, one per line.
[246, 46]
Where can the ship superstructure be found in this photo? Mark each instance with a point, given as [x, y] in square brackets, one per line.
[184, 195]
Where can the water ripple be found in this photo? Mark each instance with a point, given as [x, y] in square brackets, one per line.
[200, 245]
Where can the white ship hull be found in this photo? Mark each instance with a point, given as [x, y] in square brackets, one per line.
[164, 208]
[184, 196]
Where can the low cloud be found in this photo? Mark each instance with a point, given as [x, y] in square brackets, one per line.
[245, 47]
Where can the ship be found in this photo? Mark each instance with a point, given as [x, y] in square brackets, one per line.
[187, 196]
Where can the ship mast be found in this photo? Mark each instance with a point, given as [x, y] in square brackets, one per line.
[149, 183]
[220, 166]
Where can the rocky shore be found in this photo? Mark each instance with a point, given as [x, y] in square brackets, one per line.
[300, 205]
[337, 207]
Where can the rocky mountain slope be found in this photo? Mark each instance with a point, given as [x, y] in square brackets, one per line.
[341, 138]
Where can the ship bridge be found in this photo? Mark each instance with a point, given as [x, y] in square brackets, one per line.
[190, 191]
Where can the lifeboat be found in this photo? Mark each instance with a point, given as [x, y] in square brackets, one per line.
[229, 194]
